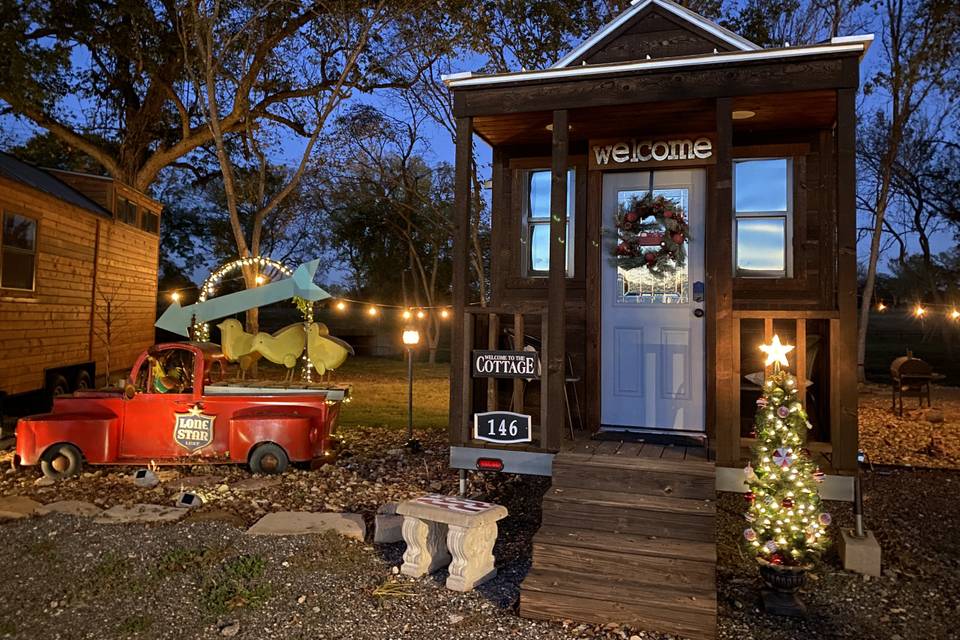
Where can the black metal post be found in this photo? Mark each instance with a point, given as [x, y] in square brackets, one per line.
[413, 445]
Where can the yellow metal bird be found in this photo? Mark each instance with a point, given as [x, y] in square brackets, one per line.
[326, 352]
[283, 347]
[237, 345]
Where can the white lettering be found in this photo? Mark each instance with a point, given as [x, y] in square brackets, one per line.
[702, 148]
[662, 155]
[602, 154]
[681, 149]
[621, 152]
[644, 157]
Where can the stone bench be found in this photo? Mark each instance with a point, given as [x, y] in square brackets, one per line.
[442, 529]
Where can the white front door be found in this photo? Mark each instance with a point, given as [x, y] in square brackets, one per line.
[652, 340]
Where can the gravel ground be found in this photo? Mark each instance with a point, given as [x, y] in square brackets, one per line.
[69, 578]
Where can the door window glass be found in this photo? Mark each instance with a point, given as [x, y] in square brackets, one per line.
[667, 283]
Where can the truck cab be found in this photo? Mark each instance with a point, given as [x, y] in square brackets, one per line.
[177, 408]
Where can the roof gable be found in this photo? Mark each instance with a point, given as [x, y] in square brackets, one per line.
[654, 29]
[13, 168]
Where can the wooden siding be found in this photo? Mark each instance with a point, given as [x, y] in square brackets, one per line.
[51, 326]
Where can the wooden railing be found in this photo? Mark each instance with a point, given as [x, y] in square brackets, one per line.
[504, 328]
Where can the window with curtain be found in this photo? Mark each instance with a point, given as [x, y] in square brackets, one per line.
[537, 216]
[763, 218]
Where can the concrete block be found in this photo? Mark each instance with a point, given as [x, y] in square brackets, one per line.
[387, 528]
[295, 523]
[861, 555]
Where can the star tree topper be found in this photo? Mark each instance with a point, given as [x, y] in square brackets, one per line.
[776, 352]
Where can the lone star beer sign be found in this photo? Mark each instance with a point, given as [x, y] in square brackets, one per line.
[645, 153]
[193, 430]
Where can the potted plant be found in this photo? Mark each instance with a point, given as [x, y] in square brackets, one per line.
[786, 526]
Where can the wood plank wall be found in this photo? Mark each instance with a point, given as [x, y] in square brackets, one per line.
[51, 326]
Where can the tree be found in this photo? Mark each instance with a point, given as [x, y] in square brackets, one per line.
[775, 24]
[786, 526]
[918, 75]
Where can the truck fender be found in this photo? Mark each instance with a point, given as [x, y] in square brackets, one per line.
[95, 435]
[292, 430]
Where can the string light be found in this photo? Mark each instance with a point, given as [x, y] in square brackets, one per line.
[420, 314]
[881, 307]
[954, 314]
[406, 314]
[341, 305]
[372, 311]
[919, 311]
[175, 296]
[260, 279]
[444, 314]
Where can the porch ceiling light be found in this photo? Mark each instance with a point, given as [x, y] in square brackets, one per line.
[743, 114]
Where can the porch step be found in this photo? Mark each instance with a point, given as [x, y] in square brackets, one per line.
[627, 540]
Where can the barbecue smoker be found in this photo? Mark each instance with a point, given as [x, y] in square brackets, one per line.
[911, 378]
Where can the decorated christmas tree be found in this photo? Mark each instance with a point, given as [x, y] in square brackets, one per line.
[786, 527]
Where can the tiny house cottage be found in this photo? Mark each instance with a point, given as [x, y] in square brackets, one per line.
[665, 198]
[78, 279]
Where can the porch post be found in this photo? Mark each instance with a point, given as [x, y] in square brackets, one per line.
[552, 423]
[460, 381]
[843, 331]
[726, 352]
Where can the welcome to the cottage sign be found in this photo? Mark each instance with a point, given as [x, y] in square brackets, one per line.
[634, 154]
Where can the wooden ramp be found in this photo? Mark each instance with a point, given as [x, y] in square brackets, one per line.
[628, 538]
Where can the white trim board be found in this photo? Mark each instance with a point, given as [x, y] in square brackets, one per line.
[468, 79]
[683, 13]
[839, 488]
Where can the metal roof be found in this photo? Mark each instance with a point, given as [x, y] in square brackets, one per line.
[25, 173]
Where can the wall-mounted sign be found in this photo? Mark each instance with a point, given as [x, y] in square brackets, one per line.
[505, 364]
[502, 427]
[633, 153]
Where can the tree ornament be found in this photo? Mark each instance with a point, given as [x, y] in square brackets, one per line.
[761, 401]
[783, 458]
[825, 519]
[749, 496]
[770, 546]
[776, 353]
[749, 473]
[818, 475]
[782, 411]
[749, 534]
[787, 503]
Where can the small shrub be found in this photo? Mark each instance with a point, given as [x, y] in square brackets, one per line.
[235, 585]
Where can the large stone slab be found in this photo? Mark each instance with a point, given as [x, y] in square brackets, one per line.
[70, 508]
[16, 507]
[452, 510]
[294, 523]
[255, 484]
[139, 513]
[197, 482]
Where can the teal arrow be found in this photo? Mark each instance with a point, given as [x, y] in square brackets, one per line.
[178, 319]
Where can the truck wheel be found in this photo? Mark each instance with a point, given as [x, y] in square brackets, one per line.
[60, 386]
[269, 459]
[83, 381]
[61, 461]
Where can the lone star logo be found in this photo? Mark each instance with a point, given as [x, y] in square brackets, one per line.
[193, 430]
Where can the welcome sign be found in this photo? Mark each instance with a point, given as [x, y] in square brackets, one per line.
[634, 153]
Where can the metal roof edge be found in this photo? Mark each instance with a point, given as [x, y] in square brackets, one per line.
[662, 63]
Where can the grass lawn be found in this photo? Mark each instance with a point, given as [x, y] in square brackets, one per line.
[379, 396]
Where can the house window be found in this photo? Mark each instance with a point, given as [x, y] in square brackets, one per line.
[18, 252]
[149, 221]
[537, 215]
[126, 211]
[763, 218]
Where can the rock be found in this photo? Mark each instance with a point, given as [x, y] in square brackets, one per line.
[230, 629]
[44, 481]
[146, 478]
[455, 618]
[71, 508]
[215, 515]
[16, 507]
[139, 513]
[301, 599]
[194, 482]
[293, 523]
[256, 484]
[934, 415]
[388, 526]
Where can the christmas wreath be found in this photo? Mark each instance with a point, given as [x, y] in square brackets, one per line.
[658, 244]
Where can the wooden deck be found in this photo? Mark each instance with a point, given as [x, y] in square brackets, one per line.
[628, 536]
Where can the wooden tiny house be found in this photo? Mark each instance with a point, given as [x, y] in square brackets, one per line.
[755, 147]
[72, 243]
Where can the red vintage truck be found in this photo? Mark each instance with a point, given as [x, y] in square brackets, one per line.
[177, 408]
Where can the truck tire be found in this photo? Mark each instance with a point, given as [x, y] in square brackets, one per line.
[60, 386]
[269, 459]
[83, 381]
[61, 461]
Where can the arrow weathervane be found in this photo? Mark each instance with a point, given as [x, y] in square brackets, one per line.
[178, 319]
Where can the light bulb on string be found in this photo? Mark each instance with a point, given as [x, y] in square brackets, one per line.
[175, 296]
[881, 307]
[406, 314]
[919, 311]
[372, 311]
[421, 314]
[955, 314]
[444, 314]
[341, 305]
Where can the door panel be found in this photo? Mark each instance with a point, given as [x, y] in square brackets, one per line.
[652, 344]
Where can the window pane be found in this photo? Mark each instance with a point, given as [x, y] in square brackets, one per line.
[540, 247]
[761, 246]
[761, 185]
[16, 270]
[126, 211]
[539, 194]
[19, 231]
[150, 221]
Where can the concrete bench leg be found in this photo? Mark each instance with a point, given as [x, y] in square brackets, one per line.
[472, 550]
[426, 547]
